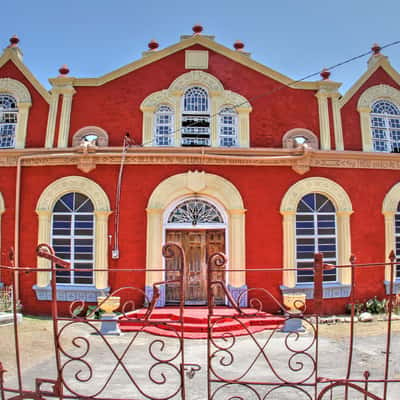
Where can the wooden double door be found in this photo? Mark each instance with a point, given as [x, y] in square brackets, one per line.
[198, 246]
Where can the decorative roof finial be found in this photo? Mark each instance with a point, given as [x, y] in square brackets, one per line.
[14, 40]
[376, 49]
[197, 29]
[64, 70]
[325, 74]
[153, 45]
[238, 45]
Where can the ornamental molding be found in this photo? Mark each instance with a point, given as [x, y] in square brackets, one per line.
[158, 98]
[235, 99]
[180, 185]
[391, 200]
[321, 185]
[288, 138]
[73, 184]
[196, 78]
[102, 136]
[17, 89]
[378, 92]
[181, 156]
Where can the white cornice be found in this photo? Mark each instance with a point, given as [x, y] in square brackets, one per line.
[185, 43]
[381, 63]
[11, 56]
[205, 156]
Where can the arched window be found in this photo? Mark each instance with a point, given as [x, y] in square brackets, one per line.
[195, 212]
[315, 232]
[8, 120]
[228, 130]
[73, 237]
[196, 118]
[385, 127]
[163, 134]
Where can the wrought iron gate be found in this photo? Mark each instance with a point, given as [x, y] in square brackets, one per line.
[239, 364]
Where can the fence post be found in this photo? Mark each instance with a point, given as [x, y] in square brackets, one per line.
[318, 278]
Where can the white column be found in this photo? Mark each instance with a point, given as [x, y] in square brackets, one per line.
[51, 120]
[22, 125]
[65, 117]
[153, 246]
[289, 248]
[101, 249]
[344, 245]
[325, 134]
[390, 243]
[337, 123]
[43, 278]
[237, 244]
[244, 126]
[366, 134]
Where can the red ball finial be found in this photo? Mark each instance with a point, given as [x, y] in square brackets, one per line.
[14, 40]
[64, 70]
[197, 29]
[238, 45]
[376, 49]
[325, 74]
[153, 44]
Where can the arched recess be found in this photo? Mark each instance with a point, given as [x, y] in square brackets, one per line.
[102, 211]
[288, 209]
[364, 104]
[206, 185]
[389, 209]
[102, 136]
[310, 138]
[218, 97]
[23, 97]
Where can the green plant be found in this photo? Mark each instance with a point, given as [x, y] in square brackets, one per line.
[375, 306]
[358, 308]
[97, 314]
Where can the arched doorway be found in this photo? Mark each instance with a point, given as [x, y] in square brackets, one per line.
[199, 225]
[217, 191]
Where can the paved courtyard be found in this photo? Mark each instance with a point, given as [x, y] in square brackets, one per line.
[232, 358]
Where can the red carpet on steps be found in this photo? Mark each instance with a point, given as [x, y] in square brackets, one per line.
[166, 322]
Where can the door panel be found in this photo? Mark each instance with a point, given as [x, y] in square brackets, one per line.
[215, 241]
[173, 267]
[198, 246]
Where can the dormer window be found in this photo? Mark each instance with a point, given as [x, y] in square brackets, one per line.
[8, 120]
[385, 127]
[196, 118]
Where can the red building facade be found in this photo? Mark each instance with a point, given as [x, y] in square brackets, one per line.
[215, 160]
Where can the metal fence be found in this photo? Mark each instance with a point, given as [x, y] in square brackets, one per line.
[293, 362]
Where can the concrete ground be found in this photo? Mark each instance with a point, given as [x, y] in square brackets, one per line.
[153, 362]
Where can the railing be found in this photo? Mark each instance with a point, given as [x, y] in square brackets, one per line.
[271, 364]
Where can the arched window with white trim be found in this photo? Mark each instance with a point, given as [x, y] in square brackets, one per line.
[8, 120]
[73, 235]
[163, 126]
[385, 126]
[228, 127]
[196, 117]
[315, 233]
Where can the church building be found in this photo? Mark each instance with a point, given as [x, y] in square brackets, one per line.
[199, 144]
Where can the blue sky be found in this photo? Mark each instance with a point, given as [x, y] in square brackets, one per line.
[293, 37]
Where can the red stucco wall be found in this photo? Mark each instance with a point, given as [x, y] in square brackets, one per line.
[262, 189]
[115, 106]
[39, 110]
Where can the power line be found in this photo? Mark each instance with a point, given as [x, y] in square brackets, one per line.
[294, 82]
